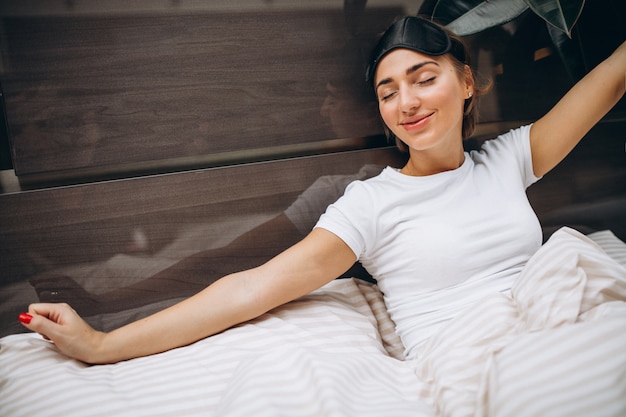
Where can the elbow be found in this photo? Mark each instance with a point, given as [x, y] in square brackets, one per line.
[248, 298]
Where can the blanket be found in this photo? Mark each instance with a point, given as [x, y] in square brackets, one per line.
[553, 346]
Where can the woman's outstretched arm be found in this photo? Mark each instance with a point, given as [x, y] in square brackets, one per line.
[311, 263]
[554, 135]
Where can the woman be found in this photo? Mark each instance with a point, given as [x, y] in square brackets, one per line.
[450, 226]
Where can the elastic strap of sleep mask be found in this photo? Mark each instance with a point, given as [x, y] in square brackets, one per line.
[417, 34]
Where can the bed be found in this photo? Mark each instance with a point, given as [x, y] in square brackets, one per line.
[334, 352]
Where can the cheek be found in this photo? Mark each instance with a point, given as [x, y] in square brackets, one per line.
[448, 103]
[440, 97]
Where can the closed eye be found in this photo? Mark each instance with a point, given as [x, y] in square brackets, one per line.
[428, 81]
[387, 95]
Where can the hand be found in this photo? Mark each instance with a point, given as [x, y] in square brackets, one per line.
[60, 324]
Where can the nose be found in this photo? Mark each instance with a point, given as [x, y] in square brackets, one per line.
[409, 99]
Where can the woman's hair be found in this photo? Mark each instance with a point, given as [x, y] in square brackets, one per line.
[480, 88]
[459, 57]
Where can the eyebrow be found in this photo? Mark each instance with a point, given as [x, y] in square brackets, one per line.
[409, 71]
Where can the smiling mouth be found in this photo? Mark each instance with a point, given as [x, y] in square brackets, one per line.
[416, 123]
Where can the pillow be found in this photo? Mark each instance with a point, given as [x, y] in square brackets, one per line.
[611, 244]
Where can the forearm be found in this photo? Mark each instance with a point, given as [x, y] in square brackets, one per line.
[231, 300]
[224, 304]
[236, 298]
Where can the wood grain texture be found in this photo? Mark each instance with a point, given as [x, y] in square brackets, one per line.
[89, 91]
[67, 225]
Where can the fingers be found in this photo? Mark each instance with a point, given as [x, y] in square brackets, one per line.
[46, 319]
[25, 318]
[56, 312]
[63, 326]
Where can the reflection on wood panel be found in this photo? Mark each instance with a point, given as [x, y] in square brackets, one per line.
[116, 231]
[85, 91]
[75, 224]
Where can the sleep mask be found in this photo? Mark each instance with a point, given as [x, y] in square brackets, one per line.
[417, 34]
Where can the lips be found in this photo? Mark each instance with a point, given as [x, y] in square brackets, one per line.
[416, 122]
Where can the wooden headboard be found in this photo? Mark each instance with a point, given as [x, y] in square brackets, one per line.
[106, 92]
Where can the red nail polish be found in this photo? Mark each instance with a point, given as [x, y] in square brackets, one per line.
[25, 318]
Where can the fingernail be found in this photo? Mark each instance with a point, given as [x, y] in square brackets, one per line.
[25, 318]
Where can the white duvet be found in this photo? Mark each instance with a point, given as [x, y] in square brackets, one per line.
[555, 347]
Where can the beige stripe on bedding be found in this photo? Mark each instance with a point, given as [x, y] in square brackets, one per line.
[322, 352]
[575, 370]
[568, 287]
[611, 244]
[572, 370]
[307, 383]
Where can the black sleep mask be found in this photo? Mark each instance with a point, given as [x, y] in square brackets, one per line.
[417, 34]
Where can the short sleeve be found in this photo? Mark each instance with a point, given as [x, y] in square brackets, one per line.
[509, 153]
[348, 217]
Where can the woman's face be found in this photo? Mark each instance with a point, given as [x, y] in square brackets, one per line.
[421, 99]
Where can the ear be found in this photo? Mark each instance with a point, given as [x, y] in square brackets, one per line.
[469, 81]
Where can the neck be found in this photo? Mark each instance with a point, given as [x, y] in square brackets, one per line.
[422, 164]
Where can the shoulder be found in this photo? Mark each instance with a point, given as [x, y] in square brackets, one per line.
[362, 198]
[512, 145]
[371, 187]
[513, 140]
[509, 152]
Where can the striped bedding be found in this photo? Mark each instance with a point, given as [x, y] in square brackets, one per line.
[555, 347]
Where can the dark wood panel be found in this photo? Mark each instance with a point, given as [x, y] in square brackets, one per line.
[66, 225]
[102, 90]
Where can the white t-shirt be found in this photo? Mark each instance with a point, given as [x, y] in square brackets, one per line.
[438, 243]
